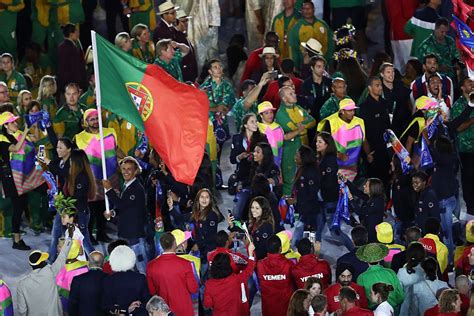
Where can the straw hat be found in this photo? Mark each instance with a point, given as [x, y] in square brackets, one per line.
[313, 45]
[165, 7]
[269, 51]
[182, 15]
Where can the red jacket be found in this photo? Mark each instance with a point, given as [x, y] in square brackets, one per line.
[224, 296]
[172, 278]
[272, 91]
[398, 14]
[311, 266]
[276, 284]
[254, 62]
[433, 311]
[332, 294]
[237, 263]
[357, 311]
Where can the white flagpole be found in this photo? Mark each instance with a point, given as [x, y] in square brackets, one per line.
[99, 109]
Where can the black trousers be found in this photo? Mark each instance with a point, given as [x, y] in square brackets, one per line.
[467, 176]
[97, 209]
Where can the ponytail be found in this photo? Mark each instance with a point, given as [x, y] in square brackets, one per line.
[383, 289]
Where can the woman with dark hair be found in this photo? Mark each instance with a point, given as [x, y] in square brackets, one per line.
[261, 187]
[445, 184]
[243, 146]
[299, 303]
[400, 189]
[261, 224]
[205, 217]
[314, 286]
[379, 295]
[223, 293]
[413, 69]
[370, 206]
[306, 187]
[20, 180]
[327, 162]
[80, 185]
[411, 274]
[355, 76]
[425, 290]
[263, 162]
[269, 62]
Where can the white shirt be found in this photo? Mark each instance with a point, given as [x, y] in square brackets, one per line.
[384, 309]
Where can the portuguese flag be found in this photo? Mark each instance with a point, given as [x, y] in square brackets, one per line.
[173, 115]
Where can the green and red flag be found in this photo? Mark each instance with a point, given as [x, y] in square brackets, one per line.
[173, 115]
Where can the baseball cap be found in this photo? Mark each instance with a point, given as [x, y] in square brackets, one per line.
[425, 103]
[347, 104]
[7, 117]
[180, 236]
[470, 231]
[265, 106]
[384, 232]
[36, 257]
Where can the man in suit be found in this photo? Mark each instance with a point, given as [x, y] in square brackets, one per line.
[189, 66]
[172, 278]
[165, 27]
[84, 297]
[130, 207]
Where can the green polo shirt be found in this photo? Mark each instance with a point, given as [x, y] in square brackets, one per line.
[445, 51]
[68, 122]
[466, 137]
[16, 82]
[174, 66]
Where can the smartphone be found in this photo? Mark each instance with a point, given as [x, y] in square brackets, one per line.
[41, 152]
[274, 74]
[229, 212]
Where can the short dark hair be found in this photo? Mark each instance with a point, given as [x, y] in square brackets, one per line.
[167, 240]
[412, 234]
[246, 84]
[281, 80]
[371, 80]
[304, 246]
[287, 66]
[420, 175]
[441, 21]
[429, 56]
[271, 35]
[432, 226]
[433, 76]
[359, 236]
[274, 244]
[222, 238]
[319, 303]
[348, 294]
[376, 188]
[220, 267]
[68, 29]
[114, 244]
[313, 60]
[309, 2]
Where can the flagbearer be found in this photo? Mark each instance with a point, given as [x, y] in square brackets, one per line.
[130, 206]
[89, 141]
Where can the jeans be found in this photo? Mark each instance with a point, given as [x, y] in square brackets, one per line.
[241, 199]
[329, 210]
[56, 232]
[83, 222]
[447, 206]
[139, 250]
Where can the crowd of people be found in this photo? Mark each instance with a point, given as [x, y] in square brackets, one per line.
[328, 148]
